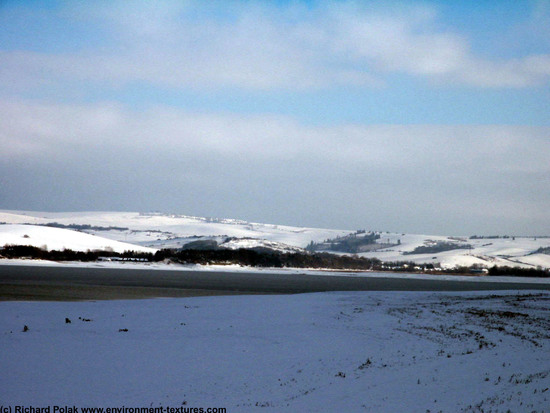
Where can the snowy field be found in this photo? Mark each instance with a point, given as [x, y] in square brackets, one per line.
[353, 351]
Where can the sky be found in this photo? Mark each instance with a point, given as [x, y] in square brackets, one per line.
[421, 117]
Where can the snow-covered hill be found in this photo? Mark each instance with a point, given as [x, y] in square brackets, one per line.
[157, 230]
[485, 252]
[59, 239]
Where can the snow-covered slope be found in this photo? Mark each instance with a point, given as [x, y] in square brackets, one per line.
[485, 252]
[59, 239]
[253, 243]
[171, 231]
[156, 230]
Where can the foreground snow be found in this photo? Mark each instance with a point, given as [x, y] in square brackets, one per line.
[351, 351]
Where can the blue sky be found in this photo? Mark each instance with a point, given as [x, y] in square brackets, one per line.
[404, 116]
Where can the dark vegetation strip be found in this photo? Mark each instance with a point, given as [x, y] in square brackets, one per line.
[255, 258]
[83, 227]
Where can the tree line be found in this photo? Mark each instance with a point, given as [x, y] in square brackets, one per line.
[255, 258]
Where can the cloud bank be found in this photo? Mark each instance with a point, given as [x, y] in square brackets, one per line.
[115, 106]
[490, 171]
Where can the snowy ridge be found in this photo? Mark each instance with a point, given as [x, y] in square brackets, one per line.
[156, 230]
[163, 230]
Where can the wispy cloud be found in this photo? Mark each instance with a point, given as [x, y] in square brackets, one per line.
[268, 47]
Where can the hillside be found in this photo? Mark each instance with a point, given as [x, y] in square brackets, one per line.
[133, 230]
[58, 239]
[158, 230]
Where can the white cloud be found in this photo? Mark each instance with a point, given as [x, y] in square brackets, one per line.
[463, 178]
[37, 130]
[267, 47]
